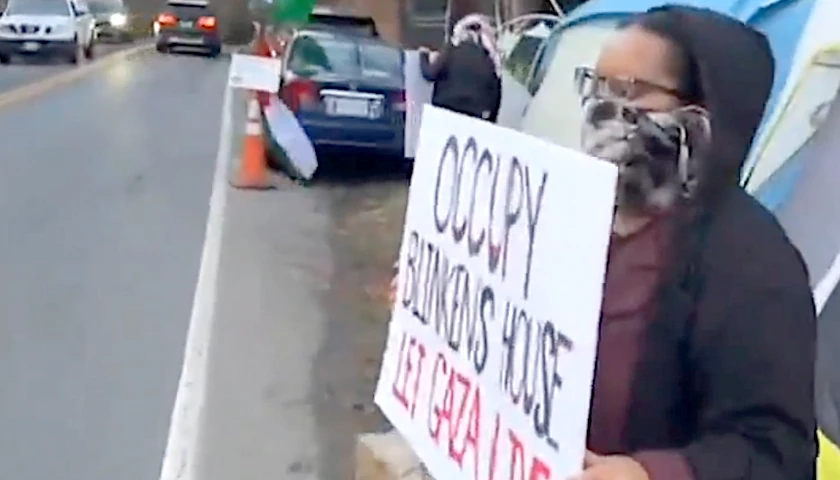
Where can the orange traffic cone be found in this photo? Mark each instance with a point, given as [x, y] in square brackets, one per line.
[253, 168]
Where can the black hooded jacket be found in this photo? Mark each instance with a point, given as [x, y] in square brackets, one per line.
[465, 81]
[723, 388]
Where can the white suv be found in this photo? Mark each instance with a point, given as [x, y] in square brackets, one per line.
[53, 28]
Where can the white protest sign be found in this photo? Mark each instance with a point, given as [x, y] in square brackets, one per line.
[254, 73]
[490, 357]
[418, 92]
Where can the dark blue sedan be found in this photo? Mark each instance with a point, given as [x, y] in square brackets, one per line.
[347, 91]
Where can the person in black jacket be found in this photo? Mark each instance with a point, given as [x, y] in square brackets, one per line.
[706, 349]
[467, 71]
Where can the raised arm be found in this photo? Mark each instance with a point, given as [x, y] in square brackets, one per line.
[432, 69]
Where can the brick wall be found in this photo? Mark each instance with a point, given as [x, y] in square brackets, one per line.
[386, 14]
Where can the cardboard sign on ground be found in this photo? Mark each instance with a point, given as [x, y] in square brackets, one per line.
[489, 363]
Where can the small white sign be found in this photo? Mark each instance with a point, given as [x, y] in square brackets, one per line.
[251, 72]
[491, 347]
[418, 92]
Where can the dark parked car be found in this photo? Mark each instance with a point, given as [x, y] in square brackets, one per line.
[188, 25]
[347, 91]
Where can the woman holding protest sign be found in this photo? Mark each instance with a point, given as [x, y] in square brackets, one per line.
[706, 353]
[467, 71]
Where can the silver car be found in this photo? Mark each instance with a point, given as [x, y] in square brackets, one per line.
[113, 21]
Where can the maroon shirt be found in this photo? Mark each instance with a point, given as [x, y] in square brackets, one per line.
[636, 264]
[634, 267]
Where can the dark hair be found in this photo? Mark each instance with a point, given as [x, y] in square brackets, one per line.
[661, 23]
[682, 282]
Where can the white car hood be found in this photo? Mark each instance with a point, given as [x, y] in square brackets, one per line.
[45, 20]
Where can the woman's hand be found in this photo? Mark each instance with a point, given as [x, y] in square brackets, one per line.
[611, 467]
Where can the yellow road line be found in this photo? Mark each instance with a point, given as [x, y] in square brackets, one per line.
[63, 78]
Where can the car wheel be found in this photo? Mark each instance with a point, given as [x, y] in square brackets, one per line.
[78, 54]
[4, 60]
[161, 48]
[89, 53]
[215, 53]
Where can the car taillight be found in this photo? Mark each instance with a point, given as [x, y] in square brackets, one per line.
[398, 101]
[208, 23]
[167, 19]
[300, 93]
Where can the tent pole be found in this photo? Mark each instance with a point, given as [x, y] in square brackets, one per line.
[556, 7]
[447, 21]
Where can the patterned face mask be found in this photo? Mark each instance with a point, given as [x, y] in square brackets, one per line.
[657, 153]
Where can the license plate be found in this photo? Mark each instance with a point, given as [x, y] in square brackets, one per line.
[348, 107]
[188, 41]
[186, 24]
[31, 46]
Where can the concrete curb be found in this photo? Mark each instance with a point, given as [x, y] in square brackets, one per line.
[387, 456]
[50, 83]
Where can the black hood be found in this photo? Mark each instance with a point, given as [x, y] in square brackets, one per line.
[734, 67]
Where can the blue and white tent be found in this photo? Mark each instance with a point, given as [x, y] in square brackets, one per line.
[794, 166]
[554, 112]
[803, 103]
[795, 172]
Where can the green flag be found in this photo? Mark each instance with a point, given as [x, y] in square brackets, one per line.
[292, 11]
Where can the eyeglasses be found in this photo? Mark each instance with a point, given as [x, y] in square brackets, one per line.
[591, 85]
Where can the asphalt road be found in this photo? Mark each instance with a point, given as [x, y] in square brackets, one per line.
[103, 200]
[20, 73]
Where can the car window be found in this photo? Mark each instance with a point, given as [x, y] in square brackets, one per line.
[311, 56]
[189, 12]
[38, 7]
[381, 60]
[341, 56]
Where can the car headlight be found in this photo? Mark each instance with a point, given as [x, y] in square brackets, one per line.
[118, 20]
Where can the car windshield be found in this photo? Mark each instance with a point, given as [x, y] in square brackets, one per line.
[347, 57]
[98, 7]
[189, 12]
[38, 7]
[381, 60]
